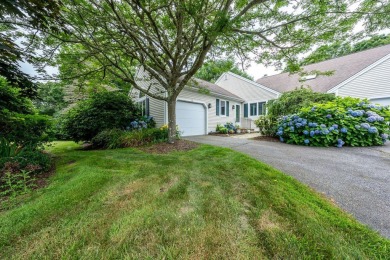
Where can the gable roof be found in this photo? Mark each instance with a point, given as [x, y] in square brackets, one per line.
[254, 83]
[344, 68]
[213, 88]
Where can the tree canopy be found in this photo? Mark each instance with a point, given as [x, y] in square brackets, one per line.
[172, 39]
[339, 49]
[213, 69]
[16, 16]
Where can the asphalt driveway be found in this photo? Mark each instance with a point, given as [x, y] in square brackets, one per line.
[357, 179]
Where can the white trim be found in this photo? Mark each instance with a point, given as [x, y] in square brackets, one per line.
[378, 97]
[198, 102]
[248, 81]
[373, 65]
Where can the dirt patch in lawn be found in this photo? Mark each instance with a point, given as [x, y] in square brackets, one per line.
[178, 146]
[265, 138]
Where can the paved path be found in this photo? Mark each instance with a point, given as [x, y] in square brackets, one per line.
[358, 179]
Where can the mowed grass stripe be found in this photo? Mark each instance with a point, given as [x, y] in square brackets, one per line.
[206, 203]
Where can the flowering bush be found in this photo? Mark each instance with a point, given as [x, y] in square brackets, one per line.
[343, 121]
[142, 123]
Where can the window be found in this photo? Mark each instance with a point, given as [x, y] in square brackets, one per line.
[262, 108]
[253, 109]
[223, 108]
[144, 105]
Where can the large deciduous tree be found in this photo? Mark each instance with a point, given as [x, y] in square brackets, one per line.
[171, 39]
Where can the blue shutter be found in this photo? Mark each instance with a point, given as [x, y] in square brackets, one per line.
[227, 108]
[245, 110]
[217, 106]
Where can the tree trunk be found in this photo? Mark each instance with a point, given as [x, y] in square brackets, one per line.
[172, 135]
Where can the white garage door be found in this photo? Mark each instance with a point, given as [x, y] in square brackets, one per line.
[381, 101]
[191, 118]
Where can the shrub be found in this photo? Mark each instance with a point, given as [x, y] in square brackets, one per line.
[102, 111]
[227, 128]
[344, 121]
[117, 138]
[28, 159]
[19, 121]
[291, 102]
[267, 125]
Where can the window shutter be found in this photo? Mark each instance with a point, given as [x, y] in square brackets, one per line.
[147, 107]
[245, 110]
[217, 107]
[227, 108]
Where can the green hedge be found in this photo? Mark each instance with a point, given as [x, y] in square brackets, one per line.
[344, 121]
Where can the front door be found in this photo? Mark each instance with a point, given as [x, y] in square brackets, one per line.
[238, 113]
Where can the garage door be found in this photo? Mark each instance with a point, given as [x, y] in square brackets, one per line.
[381, 101]
[191, 118]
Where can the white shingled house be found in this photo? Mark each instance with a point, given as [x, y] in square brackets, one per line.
[201, 106]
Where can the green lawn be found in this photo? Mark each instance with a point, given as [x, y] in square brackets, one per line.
[207, 203]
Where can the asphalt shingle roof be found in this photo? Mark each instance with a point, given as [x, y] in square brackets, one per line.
[344, 67]
[213, 88]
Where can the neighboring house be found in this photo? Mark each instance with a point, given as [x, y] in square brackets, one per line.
[364, 74]
[200, 107]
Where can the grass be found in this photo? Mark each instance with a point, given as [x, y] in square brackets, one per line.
[207, 203]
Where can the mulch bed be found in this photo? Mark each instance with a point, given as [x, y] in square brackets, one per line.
[163, 148]
[266, 138]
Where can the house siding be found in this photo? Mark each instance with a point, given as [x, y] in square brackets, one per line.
[193, 95]
[374, 83]
[156, 106]
[244, 89]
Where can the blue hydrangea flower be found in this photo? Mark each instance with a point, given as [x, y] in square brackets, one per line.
[306, 141]
[372, 130]
[365, 125]
[331, 128]
[313, 108]
[315, 125]
[384, 136]
[279, 133]
[134, 124]
[325, 132]
[305, 132]
[343, 130]
[317, 131]
[312, 133]
[335, 126]
[328, 116]
[310, 124]
[292, 129]
[280, 129]
[322, 126]
[298, 125]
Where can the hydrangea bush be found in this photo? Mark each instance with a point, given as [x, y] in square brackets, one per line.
[343, 121]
